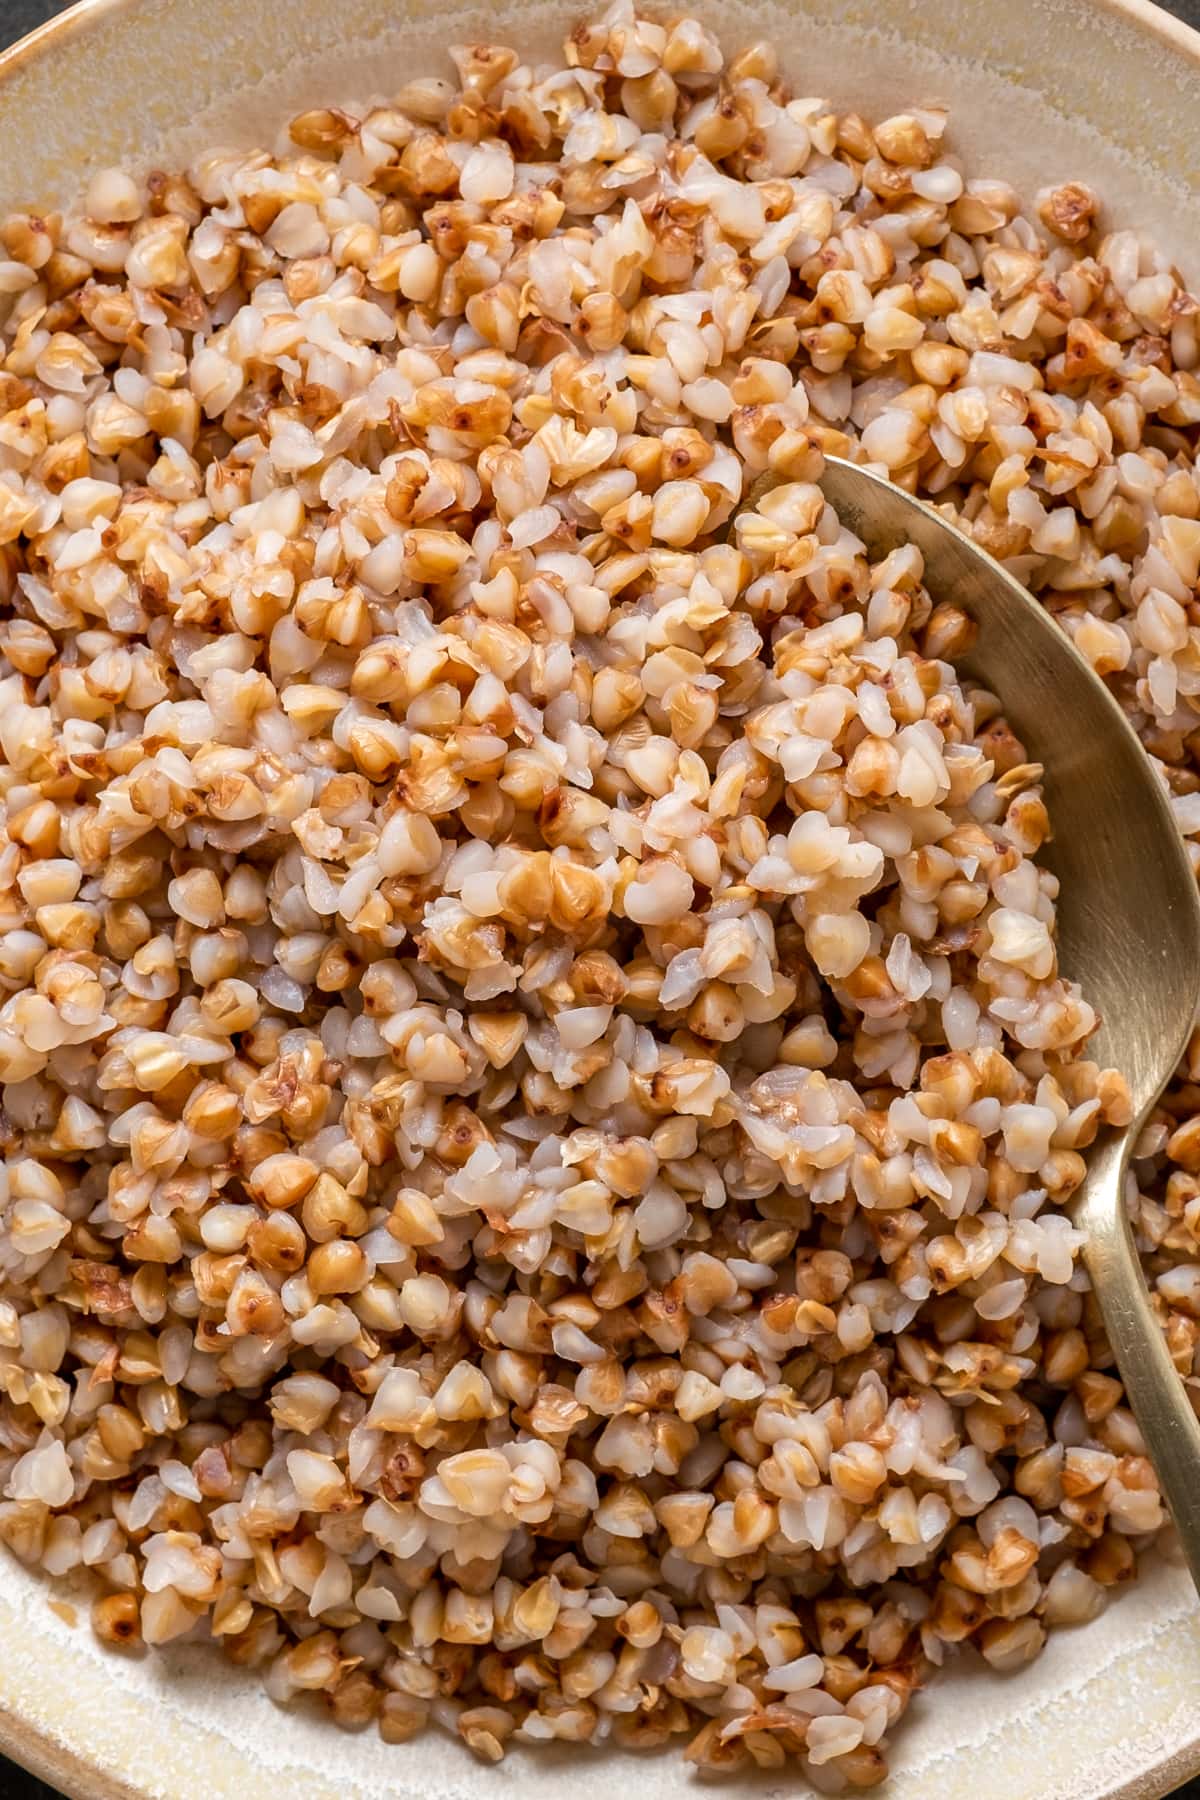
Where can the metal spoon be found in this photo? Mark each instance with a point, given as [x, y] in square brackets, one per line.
[1128, 916]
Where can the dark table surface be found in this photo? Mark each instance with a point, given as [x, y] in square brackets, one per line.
[16, 18]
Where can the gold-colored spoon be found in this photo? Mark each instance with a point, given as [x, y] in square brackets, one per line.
[1128, 916]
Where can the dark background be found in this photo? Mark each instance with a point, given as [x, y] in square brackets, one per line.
[16, 18]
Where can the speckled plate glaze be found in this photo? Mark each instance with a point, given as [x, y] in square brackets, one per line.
[1104, 90]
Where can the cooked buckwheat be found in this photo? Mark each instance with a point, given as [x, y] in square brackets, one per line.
[539, 1094]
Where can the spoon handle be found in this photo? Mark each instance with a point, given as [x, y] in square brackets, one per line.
[1153, 1385]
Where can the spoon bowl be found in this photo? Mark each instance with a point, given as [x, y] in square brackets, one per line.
[1128, 916]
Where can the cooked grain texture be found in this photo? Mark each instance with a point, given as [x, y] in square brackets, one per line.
[538, 1089]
